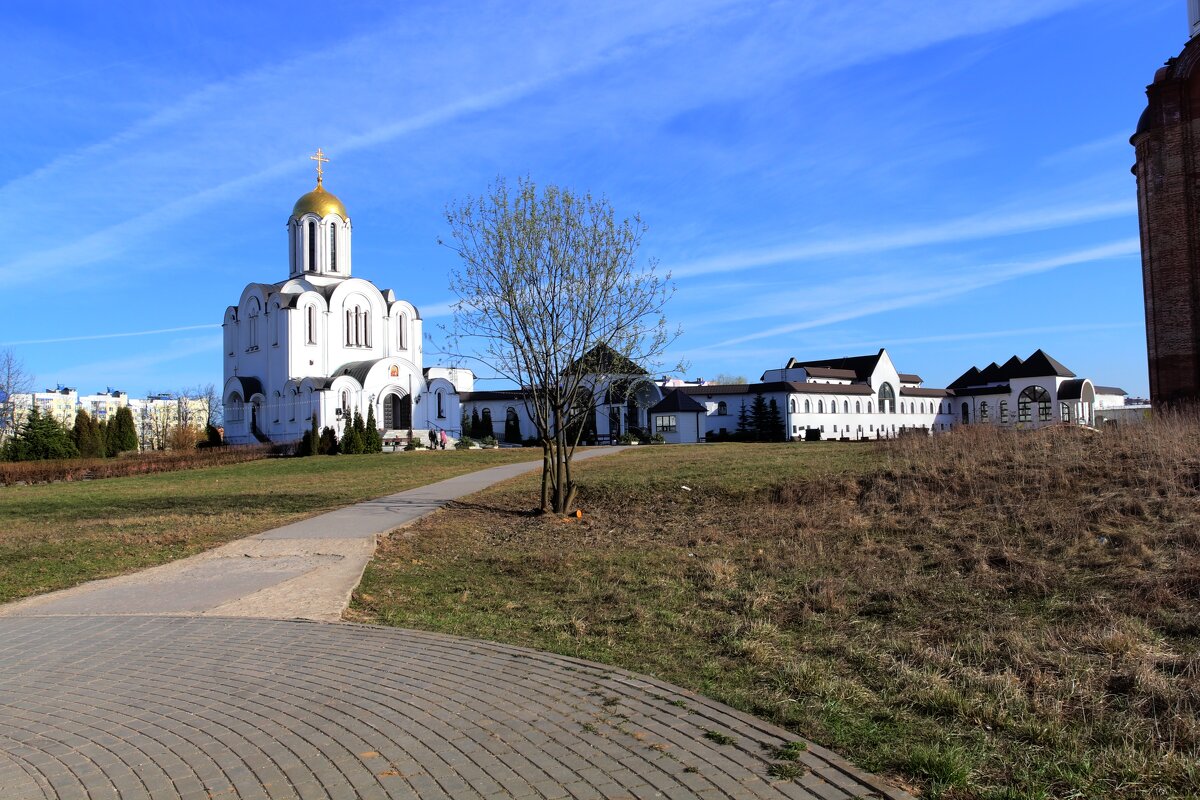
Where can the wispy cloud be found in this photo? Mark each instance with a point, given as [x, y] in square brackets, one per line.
[907, 291]
[975, 227]
[99, 336]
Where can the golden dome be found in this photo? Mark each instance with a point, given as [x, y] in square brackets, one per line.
[319, 202]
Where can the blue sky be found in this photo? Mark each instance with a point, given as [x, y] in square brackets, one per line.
[947, 180]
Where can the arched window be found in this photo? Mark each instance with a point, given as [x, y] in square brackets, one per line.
[870, 406]
[333, 247]
[486, 419]
[512, 426]
[887, 399]
[252, 330]
[441, 410]
[310, 325]
[401, 330]
[858, 406]
[722, 408]
[1004, 411]
[820, 406]
[846, 406]
[359, 327]
[966, 413]
[1029, 396]
[345, 402]
[983, 411]
[312, 246]
[807, 405]
[1064, 411]
[792, 405]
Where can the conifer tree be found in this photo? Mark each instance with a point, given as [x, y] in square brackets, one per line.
[352, 439]
[86, 435]
[476, 425]
[314, 439]
[110, 438]
[126, 431]
[40, 437]
[743, 432]
[329, 442]
[760, 423]
[372, 439]
[777, 431]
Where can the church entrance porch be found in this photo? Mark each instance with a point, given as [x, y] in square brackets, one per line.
[397, 412]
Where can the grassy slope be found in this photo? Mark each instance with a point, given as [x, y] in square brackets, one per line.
[58, 535]
[980, 616]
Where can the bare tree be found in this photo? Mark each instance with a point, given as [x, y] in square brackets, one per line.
[14, 379]
[551, 297]
[724, 378]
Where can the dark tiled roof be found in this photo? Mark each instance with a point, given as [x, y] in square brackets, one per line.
[914, 392]
[251, 386]
[1039, 364]
[1111, 390]
[356, 369]
[1072, 389]
[975, 391]
[908, 377]
[678, 401]
[603, 360]
[829, 372]
[496, 394]
[861, 366]
[779, 386]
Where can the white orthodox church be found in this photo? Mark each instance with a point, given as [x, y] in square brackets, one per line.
[325, 343]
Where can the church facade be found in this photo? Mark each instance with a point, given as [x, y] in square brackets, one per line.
[325, 343]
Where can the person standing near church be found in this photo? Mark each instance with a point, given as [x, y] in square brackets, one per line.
[443, 438]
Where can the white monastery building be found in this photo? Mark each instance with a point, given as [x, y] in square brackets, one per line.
[325, 343]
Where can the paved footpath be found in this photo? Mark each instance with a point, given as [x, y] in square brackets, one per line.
[120, 692]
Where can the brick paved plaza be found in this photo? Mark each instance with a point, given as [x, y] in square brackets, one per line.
[203, 707]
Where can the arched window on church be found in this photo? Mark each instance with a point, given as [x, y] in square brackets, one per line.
[820, 406]
[345, 402]
[858, 406]
[333, 247]
[252, 328]
[792, 405]
[276, 319]
[722, 408]
[349, 327]
[807, 405]
[441, 409]
[1004, 411]
[870, 406]
[276, 404]
[312, 246]
[984, 412]
[887, 399]
[846, 406]
[310, 325]
[401, 331]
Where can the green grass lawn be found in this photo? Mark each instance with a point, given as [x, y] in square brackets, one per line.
[58, 535]
[973, 617]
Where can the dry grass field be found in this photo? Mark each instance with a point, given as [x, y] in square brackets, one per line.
[986, 614]
[57, 535]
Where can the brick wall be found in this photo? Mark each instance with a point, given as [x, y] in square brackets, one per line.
[1167, 144]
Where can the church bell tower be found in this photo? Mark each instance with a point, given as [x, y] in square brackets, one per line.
[1167, 166]
[319, 232]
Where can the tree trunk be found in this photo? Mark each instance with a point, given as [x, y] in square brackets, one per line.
[546, 467]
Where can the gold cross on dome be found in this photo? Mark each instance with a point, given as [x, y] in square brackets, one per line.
[320, 159]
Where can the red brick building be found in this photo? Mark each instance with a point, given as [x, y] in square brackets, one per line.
[1167, 167]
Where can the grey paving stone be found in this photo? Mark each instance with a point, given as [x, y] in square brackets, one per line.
[319, 709]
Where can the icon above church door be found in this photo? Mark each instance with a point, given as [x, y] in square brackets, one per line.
[394, 372]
